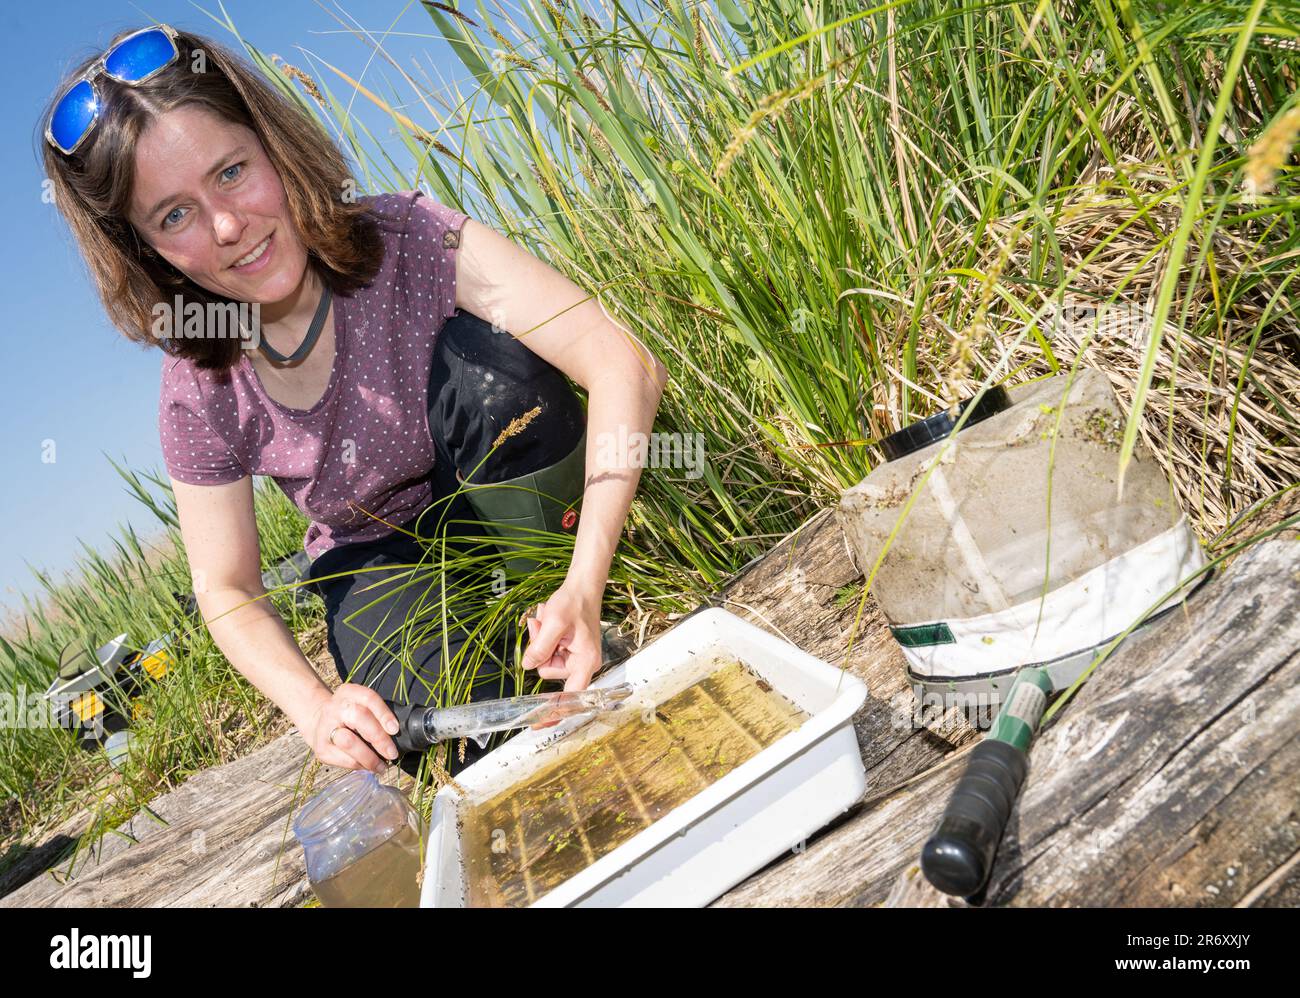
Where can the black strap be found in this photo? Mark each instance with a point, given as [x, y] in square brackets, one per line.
[313, 332]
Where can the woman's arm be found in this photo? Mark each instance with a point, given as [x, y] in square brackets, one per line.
[621, 404]
[515, 291]
[219, 531]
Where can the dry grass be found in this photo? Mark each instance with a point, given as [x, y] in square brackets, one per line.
[158, 549]
[1188, 420]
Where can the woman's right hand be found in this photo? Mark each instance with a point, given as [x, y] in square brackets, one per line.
[360, 722]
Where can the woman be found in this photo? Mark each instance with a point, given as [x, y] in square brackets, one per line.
[193, 186]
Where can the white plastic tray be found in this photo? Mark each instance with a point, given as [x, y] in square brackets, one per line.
[707, 845]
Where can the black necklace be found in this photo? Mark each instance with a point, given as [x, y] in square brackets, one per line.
[313, 331]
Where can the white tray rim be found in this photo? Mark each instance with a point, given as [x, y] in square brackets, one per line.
[704, 630]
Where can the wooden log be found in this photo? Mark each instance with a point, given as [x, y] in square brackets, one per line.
[42, 849]
[1169, 780]
[1173, 780]
[1151, 745]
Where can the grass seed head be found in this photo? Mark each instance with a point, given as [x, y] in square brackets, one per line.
[294, 73]
[517, 425]
[1268, 155]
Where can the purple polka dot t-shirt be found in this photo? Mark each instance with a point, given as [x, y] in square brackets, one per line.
[366, 444]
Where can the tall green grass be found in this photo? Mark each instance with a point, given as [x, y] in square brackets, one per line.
[830, 221]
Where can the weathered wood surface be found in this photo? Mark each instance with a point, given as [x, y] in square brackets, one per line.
[1172, 779]
[1177, 781]
[1182, 786]
[41, 849]
[222, 839]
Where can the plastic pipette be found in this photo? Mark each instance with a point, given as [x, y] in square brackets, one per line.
[422, 726]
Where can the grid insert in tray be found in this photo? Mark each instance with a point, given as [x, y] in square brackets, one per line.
[535, 835]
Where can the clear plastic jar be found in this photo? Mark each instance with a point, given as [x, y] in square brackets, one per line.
[362, 844]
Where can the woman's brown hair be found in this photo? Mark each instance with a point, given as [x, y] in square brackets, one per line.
[92, 190]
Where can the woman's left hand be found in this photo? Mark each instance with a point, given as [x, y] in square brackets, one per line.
[564, 637]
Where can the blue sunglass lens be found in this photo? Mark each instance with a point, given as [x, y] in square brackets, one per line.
[139, 56]
[74, 114]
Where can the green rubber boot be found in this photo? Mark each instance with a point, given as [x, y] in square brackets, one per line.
[546, 499]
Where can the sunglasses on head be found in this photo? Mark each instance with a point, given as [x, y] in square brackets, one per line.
[136, 58]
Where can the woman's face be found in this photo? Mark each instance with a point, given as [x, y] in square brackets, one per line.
[206, 198]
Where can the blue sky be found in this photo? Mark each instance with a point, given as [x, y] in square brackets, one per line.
[68, 376]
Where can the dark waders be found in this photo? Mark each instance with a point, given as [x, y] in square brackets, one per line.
[479, 382]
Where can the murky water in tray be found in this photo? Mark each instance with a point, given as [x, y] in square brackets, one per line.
[537, 834]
